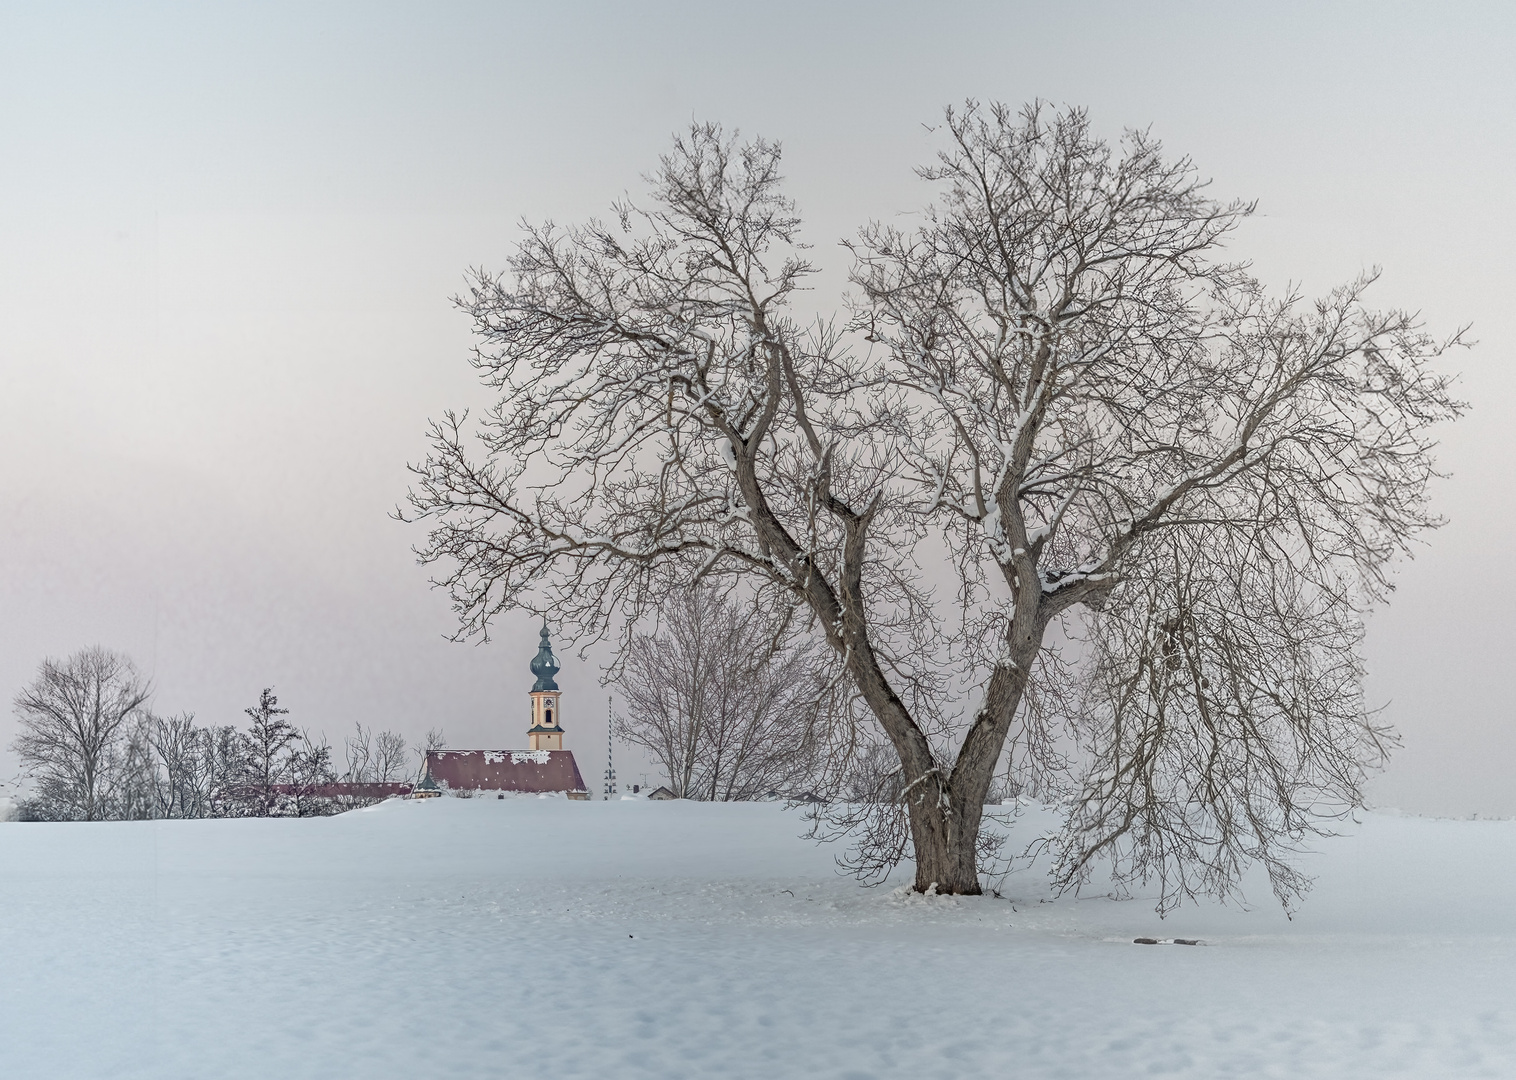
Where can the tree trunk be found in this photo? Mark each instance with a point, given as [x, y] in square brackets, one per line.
[946, 814]
[945, 849]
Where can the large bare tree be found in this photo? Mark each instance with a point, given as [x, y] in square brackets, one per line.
[75, 718]
[1053, 393]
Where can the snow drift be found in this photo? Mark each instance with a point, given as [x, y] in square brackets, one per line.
[549, 938]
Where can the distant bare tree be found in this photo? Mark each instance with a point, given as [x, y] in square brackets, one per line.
[184, 754]
[390, 753]
[359, 750]
[227, 756]
[308, 769]
[433, 740]
[1056, 395]
[75, 718]
[728, 712]
[139, 779]
[374, 759]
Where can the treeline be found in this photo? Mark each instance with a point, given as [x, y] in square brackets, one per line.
[93, 750]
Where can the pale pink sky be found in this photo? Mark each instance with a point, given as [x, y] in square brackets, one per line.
[228, 235]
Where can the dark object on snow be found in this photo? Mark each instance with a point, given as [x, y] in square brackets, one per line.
[1145, 941]
[1165, 941]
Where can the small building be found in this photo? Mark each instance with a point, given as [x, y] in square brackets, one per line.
[543, 768]
[427, 788]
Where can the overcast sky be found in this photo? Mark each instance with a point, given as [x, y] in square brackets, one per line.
[228, 236]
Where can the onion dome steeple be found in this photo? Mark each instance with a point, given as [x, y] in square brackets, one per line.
[544, 664]
[546, 732]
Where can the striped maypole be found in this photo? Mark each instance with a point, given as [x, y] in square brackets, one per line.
[610, 764]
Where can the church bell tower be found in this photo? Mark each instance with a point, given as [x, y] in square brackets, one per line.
[546, 732]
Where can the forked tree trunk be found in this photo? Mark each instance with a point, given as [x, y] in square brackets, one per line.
[946, 813]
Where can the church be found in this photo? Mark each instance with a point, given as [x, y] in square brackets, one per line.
[543, 768]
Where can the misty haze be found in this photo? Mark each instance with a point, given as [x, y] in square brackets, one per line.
[825, 540]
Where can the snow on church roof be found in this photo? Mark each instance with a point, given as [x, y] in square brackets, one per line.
[506, 770]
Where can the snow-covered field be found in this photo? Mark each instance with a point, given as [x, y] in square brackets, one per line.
[546, 938]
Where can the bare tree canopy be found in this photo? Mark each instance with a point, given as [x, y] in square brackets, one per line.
[728, 712]
[435, 739]
[74, 717]
[191, 779]
[1054, 392]
[374, 759]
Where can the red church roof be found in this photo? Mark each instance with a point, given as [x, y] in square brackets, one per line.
[506, 770]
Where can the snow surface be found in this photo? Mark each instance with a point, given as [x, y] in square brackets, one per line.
[549, 938]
